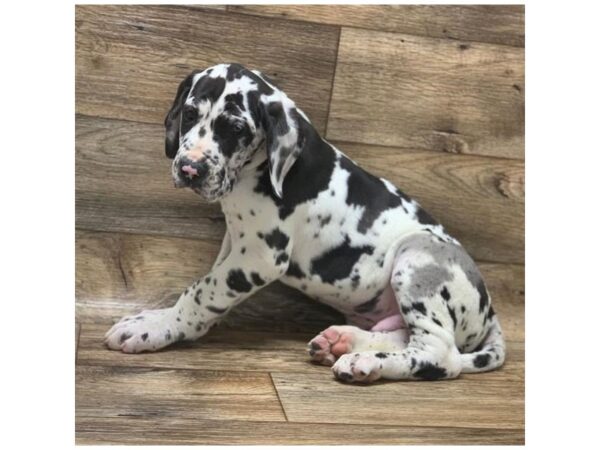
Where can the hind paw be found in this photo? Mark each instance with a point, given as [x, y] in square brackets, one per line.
[358, 367]
[332, 343]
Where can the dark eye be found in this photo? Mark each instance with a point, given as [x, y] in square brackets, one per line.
[189, 115]
[238, 127]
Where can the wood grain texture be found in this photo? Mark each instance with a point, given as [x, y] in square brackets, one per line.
[181, 431]
[490, 400]
[500, 24]
[130, 59]
[138, 392]
[123, 183]
[220, 350]
[506, 283]
[119, 274]
[223, 349]
[481, 201]
[77, 331]
[416, 92]
[206, 379]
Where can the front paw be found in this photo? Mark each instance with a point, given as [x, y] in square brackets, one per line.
[148, 331]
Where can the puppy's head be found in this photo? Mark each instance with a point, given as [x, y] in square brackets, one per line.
[218, 122]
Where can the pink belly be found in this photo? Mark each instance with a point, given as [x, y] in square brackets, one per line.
[390, 323]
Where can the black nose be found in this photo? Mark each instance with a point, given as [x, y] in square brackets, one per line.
[193, 171]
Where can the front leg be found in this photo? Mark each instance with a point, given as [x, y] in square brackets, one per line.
[201, 306]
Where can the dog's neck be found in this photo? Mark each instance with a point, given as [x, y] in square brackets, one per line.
[259, 156]
[248, 171]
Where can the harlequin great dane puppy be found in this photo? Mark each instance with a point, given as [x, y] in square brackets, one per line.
[298, 210]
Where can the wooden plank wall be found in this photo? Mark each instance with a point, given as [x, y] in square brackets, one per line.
[430, 97]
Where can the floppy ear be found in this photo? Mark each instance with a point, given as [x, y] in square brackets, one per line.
[173, 118]
[285, 139]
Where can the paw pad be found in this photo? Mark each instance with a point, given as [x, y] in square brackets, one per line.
[330, 344]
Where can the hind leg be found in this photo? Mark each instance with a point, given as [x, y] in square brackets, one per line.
[435, 284]
[426, 357]
[338, 340]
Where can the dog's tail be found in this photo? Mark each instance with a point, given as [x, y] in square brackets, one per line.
[491, 353]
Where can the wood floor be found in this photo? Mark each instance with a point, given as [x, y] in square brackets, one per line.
[430, 97]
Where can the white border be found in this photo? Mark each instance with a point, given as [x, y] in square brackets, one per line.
[37, 91]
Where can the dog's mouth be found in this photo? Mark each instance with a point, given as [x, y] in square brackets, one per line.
[210, 189]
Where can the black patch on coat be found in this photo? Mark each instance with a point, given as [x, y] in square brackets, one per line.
[310, 174]
[144, 337]
[207, 280]
[344, 376]
[256, 279]
[452, 315]
[228, 139]
[173, 117]
[236, 99]
[283, 257]
[491, 313]
[294, 270]
[262, 87]
[197, 296]
[445, 294]
[355, 281]
[420, 306]
[483, 296]
[255, 107]
[337, 263]
[278, 119]
[325, 220]
[430, 372]
[481, 360]
[189, 118]
[237, 281]
[208, 88]
[424, 218]
[216, 310]
[368, 191]
[234, 71]
[436, 321]
[277, 240]
[405, 309]
[381, 355]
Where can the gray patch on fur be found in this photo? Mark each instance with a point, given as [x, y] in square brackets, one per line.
[425, 281]
[445, 254]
